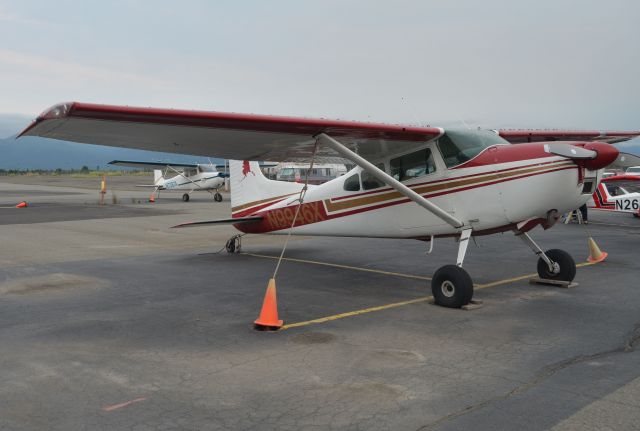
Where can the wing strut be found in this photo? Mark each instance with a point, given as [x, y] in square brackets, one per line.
[323, 138]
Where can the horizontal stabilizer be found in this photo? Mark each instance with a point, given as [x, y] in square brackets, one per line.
[151, 165]
[221, 221]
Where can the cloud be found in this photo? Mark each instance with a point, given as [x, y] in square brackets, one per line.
[8, 16]
[71, 72]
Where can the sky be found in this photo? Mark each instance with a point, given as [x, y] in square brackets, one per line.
[549, 64]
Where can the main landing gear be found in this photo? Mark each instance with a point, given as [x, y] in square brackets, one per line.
[452, 286]
[216, 197]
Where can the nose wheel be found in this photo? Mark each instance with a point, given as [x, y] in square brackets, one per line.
[563, 266]
[217, 197]
[185, 197]
[554, 264]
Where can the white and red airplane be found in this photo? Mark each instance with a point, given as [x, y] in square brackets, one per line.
[612, 194]
[409, 182]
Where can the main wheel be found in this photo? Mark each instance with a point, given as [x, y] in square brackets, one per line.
[217, 197]
[185, 197]
[564, 266]
[452, 286]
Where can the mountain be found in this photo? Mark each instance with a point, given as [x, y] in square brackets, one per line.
[32, 152]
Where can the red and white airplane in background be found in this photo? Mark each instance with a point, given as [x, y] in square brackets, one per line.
[409, 182]
[612, 194]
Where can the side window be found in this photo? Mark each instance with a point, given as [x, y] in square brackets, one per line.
[413, 165]
[369, 181]
[352, 184]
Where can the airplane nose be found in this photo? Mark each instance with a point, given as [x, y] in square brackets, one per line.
[607, 153]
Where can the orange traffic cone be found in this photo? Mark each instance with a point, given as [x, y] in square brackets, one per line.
[152, 198]
[22, 204]
[268, 319]
[595, 255]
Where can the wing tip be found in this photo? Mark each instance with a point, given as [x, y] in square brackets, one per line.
[55, 112]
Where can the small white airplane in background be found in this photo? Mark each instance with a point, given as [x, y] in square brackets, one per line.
[409, 182]
[188, 177]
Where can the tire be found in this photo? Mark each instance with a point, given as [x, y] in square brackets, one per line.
[451, 286]
[185, 197]
[567, 270]
[217, 197]
[231, 247]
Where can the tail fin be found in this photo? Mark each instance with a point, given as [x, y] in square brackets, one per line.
[251, 190]
[157, 177]
[601, 197]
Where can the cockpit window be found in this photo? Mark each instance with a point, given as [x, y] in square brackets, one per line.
[369, 181]
[459, 146]
[352, 184]
[412, 165]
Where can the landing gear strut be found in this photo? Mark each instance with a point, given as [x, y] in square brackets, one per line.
[217, 197]
[451, 285]
[185, 197]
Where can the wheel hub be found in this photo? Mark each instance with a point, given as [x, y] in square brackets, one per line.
[448, 289]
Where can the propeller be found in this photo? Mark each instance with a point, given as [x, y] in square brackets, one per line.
[570, 151]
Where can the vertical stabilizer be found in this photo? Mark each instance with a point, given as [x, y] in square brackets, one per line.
[251, 190]
[602, 198]
[157, 177]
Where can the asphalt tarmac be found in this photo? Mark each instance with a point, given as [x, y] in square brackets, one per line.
[110, 320]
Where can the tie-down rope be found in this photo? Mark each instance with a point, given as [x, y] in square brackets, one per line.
[303, 193]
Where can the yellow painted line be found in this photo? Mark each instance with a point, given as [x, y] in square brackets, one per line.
[402, 303]
[355, 313]
[522, 277]
[335, 265]
[377, 271]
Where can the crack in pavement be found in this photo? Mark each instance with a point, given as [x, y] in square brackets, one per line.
[632, 340]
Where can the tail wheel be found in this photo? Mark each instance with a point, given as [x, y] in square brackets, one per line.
[217, 197]
[564, 266]
[185, 197]
[452, 286]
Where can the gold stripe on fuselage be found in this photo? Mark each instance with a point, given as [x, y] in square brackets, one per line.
[349, 204]
[260, 202]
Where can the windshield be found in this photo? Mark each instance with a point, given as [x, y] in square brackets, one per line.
[633, 170]
[459, 146]
[287, 171]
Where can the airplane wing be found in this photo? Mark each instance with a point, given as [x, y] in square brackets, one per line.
[529, 135]
[225, 135]
[151, 165]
